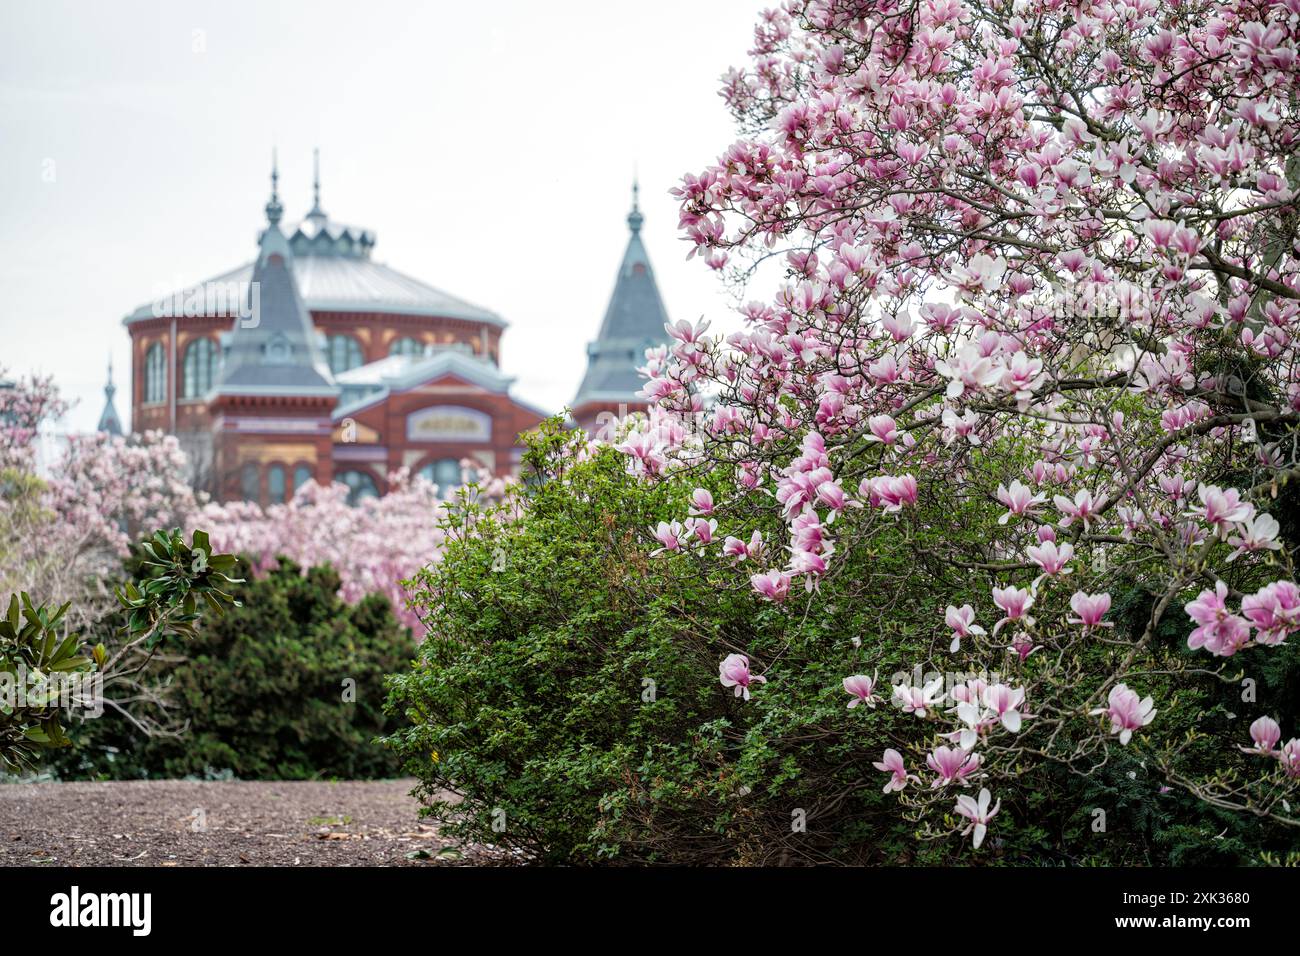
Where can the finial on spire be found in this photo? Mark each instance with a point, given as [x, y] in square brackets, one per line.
[274, 210]
[634, 218]
[108, 420]
[315, 185]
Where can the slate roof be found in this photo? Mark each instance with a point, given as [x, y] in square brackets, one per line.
[108, 420]
[340, 284]
[334, 272]
[634, 321]
[277, 351]
[375, 381]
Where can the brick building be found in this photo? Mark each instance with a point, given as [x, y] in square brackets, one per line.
[314, 361]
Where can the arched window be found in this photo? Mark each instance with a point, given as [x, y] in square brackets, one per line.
[406, 346]
[344, 353]
[250, 484]
[155, 374]
[360, 485]
[275, 484]
[200, 368]
[301, 475]
[445, 473]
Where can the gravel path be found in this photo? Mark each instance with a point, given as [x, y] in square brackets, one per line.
[243, 823]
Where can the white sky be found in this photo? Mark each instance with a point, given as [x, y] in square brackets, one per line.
[490, 146]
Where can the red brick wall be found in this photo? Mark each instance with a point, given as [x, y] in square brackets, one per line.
[383, 425]
[374, 331]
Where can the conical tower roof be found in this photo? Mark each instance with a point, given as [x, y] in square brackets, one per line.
[634, 322]
[108, 420]
[275, 351]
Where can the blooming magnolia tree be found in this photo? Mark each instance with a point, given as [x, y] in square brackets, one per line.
[24, 405]
[1041, 288]
[66, 532]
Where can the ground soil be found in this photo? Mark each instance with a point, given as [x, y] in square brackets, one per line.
[240, 823]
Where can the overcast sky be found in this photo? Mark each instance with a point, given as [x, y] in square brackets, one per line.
[490, 146]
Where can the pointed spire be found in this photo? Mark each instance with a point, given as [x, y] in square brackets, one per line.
[277, 352]
[316, 211]
[634, 218]
[108, 420]
[634, 321]
[274, 210]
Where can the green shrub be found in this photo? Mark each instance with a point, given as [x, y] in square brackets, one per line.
[263, 691]
[530, 699]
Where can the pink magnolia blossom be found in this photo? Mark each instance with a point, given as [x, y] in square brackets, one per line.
[970, 691]
[733, 671]
[774, 585]
[701, 502]
[740, 550]
[953, 765]
[968, 371]
[701, 530]
[1289, 756]
[1004, 703]
[1090, 609]
[1022, 645]
[882, 429]
[893, 765]
[1266, 733]
[960, 426]
[863, 689]
[1076, 270]
[962, 621]
[976, 722]
[1022, 377]
[1015, 603]
[670, 534]
[1259, 534]
[896, 493]
[1221, 509]
[374, 545]
[1274, 610]
[1127, 712]
[979, 813]
[1082, 508]
[919, 700]
[1019, 500]
[1221, 632]
[1051, 557]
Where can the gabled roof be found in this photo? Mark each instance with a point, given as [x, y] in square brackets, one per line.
[369, 384]
[634, 321]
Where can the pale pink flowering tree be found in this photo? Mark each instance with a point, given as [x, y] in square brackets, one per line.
[1036, 257]
[64, 532]
[374, 545]
[24, 405]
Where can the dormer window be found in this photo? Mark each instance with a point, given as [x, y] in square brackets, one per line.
[278, 351]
